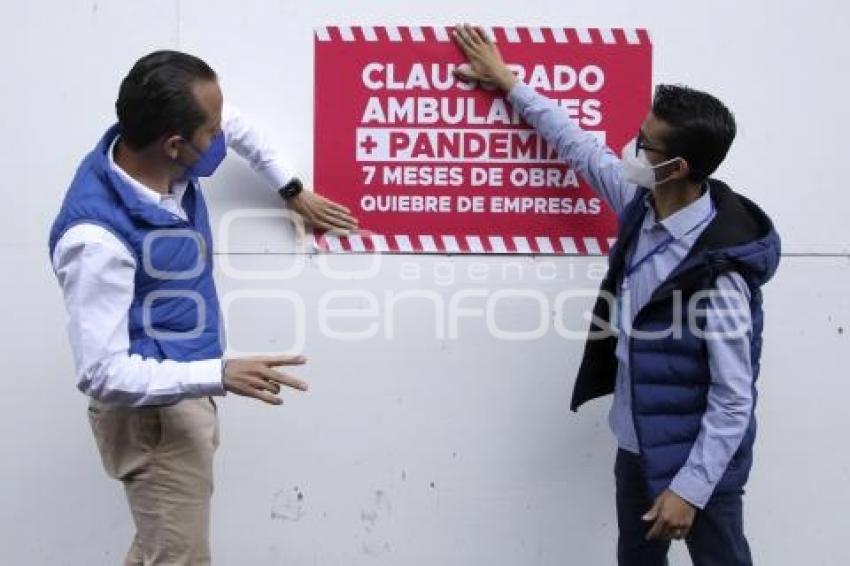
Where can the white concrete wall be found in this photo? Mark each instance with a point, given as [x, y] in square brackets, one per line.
[418, 450]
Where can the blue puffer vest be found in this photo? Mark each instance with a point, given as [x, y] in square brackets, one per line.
[174, 314]
[670, 375]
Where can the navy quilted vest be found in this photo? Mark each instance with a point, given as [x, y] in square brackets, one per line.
[670, 375]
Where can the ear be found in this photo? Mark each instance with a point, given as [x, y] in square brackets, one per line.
[682, 169]
[171, 146]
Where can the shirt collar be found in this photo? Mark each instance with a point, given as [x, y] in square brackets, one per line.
[146, 194]
[684, 220]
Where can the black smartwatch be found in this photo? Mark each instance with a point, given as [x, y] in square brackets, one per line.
[291, 189]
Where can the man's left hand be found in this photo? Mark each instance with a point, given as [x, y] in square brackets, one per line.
[672, 517]
[322, 213]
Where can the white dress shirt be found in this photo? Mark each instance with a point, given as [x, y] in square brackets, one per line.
[97, 274]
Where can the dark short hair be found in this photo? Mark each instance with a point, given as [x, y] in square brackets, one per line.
[701, 127]
[156, 98]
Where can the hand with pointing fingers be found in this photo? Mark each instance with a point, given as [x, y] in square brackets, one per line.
[255, 377]
[485, 60]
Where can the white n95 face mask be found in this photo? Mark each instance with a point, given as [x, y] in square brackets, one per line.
[638, 169]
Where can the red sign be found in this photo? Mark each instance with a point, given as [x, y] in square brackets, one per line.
[429, 163]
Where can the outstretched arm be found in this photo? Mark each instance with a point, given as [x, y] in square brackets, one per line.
[256, 147]
[582, 150]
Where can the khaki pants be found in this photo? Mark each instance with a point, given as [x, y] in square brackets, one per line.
[163, 456]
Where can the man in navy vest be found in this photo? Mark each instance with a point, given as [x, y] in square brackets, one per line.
[676, 330]
[132, 250]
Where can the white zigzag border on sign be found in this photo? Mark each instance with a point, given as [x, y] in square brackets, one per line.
[448, 244]
[419, 34]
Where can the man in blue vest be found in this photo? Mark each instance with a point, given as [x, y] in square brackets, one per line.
[676, 331]
[132, 250]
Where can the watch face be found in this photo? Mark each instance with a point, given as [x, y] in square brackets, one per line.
[291, 189]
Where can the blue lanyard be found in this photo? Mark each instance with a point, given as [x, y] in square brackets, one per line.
[617, 317]
[663, 245]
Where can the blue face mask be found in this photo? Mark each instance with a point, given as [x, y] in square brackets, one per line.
[209, 160]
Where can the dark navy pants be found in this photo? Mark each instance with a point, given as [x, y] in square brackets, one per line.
[716, 538]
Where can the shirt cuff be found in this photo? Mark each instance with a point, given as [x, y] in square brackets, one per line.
[521, 95]
[205, 378]
[276, 175]
[692, 487]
